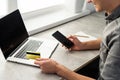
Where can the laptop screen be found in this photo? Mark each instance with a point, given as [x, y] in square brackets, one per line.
[12, 32]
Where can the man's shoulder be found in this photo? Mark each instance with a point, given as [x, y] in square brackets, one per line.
[118, 20]
[116, 23]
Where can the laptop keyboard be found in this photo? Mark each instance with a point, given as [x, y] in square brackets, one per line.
[32, 45]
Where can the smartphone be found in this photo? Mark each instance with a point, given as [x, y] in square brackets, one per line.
[61, 38]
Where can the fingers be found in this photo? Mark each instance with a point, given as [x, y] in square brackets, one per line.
[37, 62]
[72, 36]
[40, 61]
[75, 40]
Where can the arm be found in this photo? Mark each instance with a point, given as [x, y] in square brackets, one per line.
[111, 67]
[50, 66]
[89, 45]
[70, 75]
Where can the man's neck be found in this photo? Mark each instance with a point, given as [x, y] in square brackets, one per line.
[114, 15]
[113, 6]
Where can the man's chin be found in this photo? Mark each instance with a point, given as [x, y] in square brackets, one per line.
[98, 10]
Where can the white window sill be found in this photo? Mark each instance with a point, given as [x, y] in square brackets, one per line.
[43, 22]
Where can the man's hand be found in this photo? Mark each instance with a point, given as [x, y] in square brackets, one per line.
[77, 44]
[88, 45]
[47, 65]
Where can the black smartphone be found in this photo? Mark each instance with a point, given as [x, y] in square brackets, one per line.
[61, 38]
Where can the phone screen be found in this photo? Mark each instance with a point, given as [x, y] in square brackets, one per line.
[61, 38]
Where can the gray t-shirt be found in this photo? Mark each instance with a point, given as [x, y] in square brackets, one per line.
[110, 48]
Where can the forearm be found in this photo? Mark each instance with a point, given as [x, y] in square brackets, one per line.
[94, 44]
[70, 75]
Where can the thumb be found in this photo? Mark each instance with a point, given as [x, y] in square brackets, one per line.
[37, 62]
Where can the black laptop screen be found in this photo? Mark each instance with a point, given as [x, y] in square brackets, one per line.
[12, 32]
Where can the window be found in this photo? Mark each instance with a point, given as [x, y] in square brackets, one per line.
[39, 15]
[3, 7]
[32, 5]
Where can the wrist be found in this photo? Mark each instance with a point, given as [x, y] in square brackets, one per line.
[83, 46]
[90, 45]
[63, 71]
[60, 70]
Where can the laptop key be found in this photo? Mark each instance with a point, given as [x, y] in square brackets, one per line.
[32, 45]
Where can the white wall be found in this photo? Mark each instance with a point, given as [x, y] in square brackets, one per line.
[77, 6]
[88, 6]
[74, 6]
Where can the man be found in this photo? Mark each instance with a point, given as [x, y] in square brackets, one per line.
[109, 47]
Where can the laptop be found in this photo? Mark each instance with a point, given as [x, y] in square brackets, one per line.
[15, 41]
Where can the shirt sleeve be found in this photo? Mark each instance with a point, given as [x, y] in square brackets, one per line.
[111, 68]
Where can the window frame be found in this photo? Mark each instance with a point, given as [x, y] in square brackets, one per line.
[30, 16]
